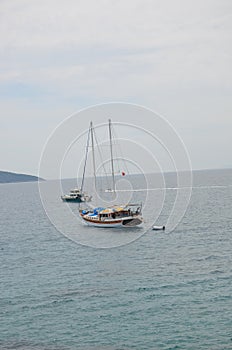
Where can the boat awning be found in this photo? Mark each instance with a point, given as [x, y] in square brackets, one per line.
[98, 210]
[118, 208]
[106, 211]
[111, 210]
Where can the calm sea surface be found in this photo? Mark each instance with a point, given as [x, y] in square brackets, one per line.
[166, 290]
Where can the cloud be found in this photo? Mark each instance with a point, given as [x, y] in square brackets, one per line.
[90, 43]
[119, 23]
[173, 56]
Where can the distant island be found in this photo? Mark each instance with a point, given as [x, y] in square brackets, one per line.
[8, 177]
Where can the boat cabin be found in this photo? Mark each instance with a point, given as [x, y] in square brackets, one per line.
[118, 212]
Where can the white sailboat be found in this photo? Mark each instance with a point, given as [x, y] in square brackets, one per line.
[128, 215]
[78, 195]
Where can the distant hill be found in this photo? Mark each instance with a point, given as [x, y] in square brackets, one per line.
[8, 177]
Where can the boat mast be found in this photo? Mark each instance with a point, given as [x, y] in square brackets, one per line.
[111, 154]
[93, 155]
[86, 154]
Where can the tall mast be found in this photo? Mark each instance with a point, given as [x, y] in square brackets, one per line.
[93, 155]
[111, 155]
[86, 154]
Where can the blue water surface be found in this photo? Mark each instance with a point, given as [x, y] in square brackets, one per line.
[164, 291]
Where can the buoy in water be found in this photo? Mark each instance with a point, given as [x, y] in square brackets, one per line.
[158, 228]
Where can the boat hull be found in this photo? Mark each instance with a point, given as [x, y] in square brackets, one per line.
[124, 222]
[158, 228]
[76, 200]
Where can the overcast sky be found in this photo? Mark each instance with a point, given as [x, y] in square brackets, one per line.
[60, 56]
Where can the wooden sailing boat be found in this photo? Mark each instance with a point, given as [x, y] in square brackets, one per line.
[128, 215]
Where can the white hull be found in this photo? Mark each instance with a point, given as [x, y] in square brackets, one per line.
[76, 195]
[103, 225]
[158, 228]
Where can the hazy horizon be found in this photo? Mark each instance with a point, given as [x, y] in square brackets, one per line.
[89, 176]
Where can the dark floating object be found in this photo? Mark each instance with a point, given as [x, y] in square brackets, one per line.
[158, 228]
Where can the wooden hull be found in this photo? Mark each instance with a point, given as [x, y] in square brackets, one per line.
[122, 222]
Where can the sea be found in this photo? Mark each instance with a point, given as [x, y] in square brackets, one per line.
[74, 287]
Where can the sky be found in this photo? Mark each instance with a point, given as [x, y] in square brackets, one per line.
[58, 57]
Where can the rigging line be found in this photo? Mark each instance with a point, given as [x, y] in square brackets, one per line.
[86, 154]
[93, 155]
[120, 150]
[113, 142]
[111, 154]
[101, 158]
